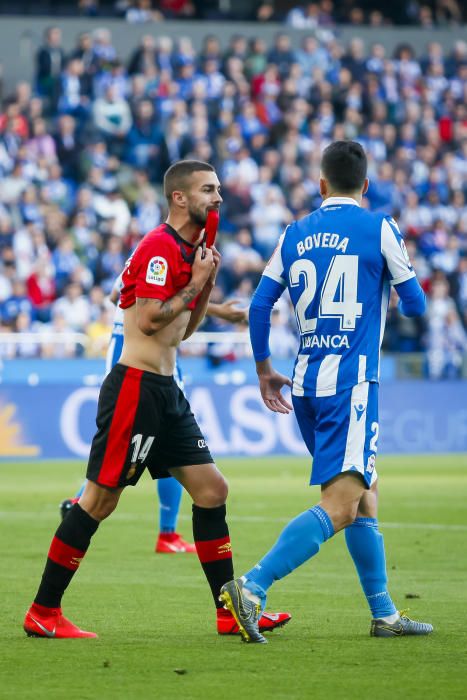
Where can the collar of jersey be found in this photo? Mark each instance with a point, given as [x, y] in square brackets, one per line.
[332, 201]
[174, 233]
[187, 257]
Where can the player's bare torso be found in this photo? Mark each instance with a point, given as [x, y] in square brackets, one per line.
[153, 353]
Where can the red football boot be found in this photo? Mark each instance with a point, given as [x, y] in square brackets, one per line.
[49, 622]
[173, 543]
[268, 622]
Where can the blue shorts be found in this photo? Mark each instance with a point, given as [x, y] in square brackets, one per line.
[115, 350]
[341, 432]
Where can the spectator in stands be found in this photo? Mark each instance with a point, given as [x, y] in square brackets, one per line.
[17, 302]
[84, 51]
[306, 17]
[262, 114]
[64, 260]
[282, 55]
[98, 334]
[177, 9]
[23, 325]
[68, 147]
[104, 51]
[110, 263]
[41, 288]
[113, 211]
[74, 306]
[57, 327]
[282, 340]
[50, 60]
[144, 56]
[144, 141]
[141, 11]
[112, 118]
[75, 91]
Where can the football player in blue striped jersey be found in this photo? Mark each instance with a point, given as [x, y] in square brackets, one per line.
[338, 264]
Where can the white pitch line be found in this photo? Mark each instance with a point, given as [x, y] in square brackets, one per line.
[128, 517]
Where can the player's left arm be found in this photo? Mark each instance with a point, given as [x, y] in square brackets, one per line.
[270, 288]
[412, 301]
[199, 312]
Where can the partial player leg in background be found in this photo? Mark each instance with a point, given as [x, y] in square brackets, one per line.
[170, 495]
[68, 503]
[169, 541]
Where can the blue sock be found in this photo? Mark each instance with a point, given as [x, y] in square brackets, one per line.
[79, 493]
[366, 547]
[298, 542]
[170, 495]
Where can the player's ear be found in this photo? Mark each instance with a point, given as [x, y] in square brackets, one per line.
[323, 187]
[365, 185]
[179, 199]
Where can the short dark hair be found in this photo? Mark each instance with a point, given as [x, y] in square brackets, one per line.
[344, 165]
[177, 175]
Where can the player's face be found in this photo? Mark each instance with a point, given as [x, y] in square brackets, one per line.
[203, 195]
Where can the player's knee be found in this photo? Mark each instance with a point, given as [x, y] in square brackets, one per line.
[99, 503]
[213, 494]
[342, 515]
[348, 516]
[99, 511]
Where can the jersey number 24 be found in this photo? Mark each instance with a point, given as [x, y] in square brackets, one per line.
[338, 295]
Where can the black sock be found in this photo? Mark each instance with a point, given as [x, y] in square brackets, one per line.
[66, 551]
[212, 541]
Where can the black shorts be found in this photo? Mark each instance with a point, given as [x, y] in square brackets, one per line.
[143, 421]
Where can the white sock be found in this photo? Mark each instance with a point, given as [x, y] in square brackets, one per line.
[391, 619]
[248, 594]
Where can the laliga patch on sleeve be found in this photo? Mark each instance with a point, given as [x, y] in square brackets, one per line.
[157, 271]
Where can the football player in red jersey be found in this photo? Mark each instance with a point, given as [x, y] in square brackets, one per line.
[143, 419]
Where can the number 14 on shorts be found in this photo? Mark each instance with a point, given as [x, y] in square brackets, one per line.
[140, 449]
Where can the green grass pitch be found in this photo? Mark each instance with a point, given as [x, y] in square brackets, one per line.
[154, 616]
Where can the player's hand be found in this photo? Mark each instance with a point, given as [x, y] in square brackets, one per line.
[203, 267]
[270, 386]
[229, 311]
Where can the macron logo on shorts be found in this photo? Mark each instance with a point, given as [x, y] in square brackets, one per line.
[359, 410]
[156, 272]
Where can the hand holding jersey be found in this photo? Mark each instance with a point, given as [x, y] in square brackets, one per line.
[144, 420]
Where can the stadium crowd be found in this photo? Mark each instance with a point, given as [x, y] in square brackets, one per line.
[83, 151]
[313, 15]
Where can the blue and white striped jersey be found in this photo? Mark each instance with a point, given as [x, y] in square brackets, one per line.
[338, 264]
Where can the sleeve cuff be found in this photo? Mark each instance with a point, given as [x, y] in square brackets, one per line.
[403, 278]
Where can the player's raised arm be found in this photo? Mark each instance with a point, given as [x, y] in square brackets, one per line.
[270, 288]
[402, 275]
